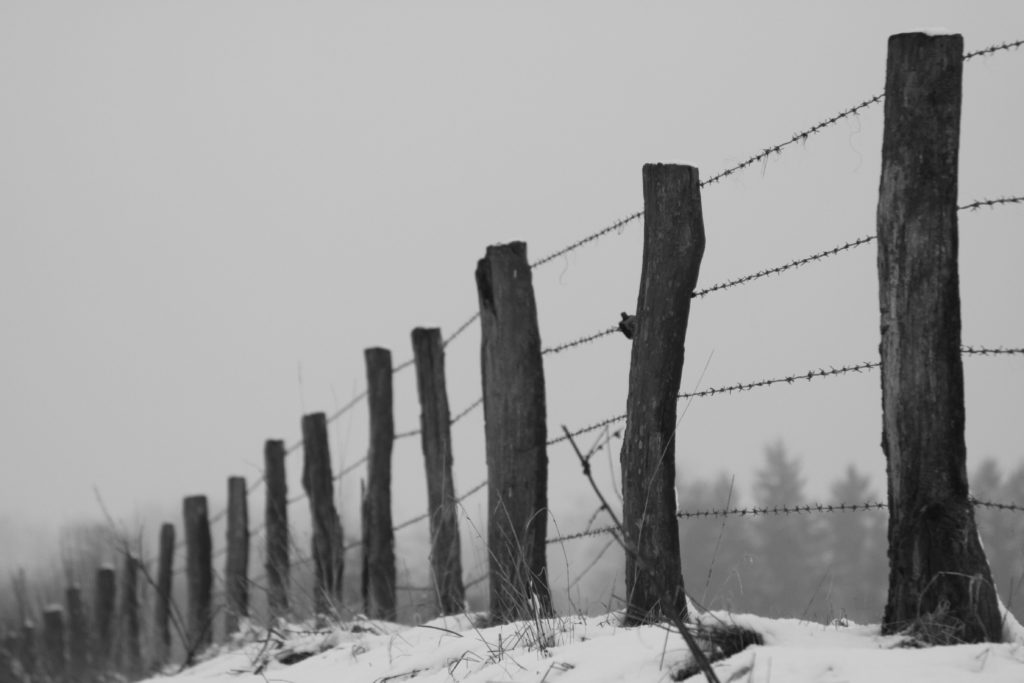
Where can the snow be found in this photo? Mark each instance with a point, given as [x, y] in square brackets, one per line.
[934, 31]
[578, 649]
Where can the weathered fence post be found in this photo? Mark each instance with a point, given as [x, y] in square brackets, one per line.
[937, 568]
[516, 433]
[236, 569]
[164, 585]
[27, 655]
[328, 539]
[103, 614]
[378, 537]
[435, 428]
[54, 642]
[199, 575]
[673, 248]
[78, 634]
[129, 636]
[276, 516]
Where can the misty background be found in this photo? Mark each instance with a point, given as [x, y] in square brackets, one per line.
[209, 210]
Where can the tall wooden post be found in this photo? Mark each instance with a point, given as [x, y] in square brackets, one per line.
[236, 569]
[937, 568]
[103, 615]
[199, 574]
[673, 248]
[54, 643]
[515, 427]
[27, 655]
[379, 539]
[328, 539]
[435, 429]
[78, 634]
[130, 637]
[276, 516]
[164, 586]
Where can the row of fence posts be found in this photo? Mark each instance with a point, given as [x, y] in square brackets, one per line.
[922, 396]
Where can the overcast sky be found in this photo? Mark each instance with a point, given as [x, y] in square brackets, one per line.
[209, 209]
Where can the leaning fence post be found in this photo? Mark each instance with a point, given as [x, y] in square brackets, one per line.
[378, 538]
[103, 615]
[129, 636]
[199, 573]
[515, 428]
[937, 568]
[435, 427]
[276, 517]
[164, 585]
[78, 634]
[673, 248]
[54, 642]
[236, 569]
[328, 540]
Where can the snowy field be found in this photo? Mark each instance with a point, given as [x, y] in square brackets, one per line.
[576, 649]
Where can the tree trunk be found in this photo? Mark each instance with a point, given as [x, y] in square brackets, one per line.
[939, 579]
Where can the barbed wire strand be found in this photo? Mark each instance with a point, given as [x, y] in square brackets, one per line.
[467, 410]
[460, 329]
[993, 48]
[777, 510]
[796, 263]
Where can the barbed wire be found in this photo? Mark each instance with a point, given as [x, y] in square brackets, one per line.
[467, 410]
[425, 515]
[621, 223]
[405, 435]
[580, 340]
[788, 379]
[777, 510]
[461, 328]
[993, 48]
[997, 201]
[990, 351]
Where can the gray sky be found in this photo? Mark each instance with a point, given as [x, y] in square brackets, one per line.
[198, 199]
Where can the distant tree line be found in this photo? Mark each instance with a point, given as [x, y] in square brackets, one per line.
[823, 566]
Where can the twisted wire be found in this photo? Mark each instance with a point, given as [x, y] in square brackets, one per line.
[997, 201]
[405, 435]
[580, 340]
[460, 329]
[621, 223]
[993, 48]
[467, 410]
[990, 351]
[788, 379]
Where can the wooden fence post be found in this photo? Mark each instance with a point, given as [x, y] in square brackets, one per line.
[27, 655]
[328, 539]
[54, 642]
[673, 248]
[276, 516]
[78, 634]
[129, 636]
[516, 434]
[378, 537]
[199, 575]
[435, 428]
[103, 614]
[937, 568]
[236, 569]
[164, 585]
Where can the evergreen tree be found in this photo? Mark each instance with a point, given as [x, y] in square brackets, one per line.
[856, 548]
[788, 571]
[714, 550]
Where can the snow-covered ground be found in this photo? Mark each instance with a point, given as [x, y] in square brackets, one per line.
[577, 649]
